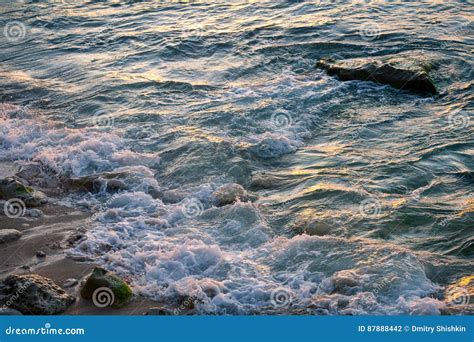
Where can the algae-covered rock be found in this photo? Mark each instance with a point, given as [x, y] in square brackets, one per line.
[32, 294]
[12, 187]
[399, 72]
[105, 288]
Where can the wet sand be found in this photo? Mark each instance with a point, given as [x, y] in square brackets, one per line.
[53, 234]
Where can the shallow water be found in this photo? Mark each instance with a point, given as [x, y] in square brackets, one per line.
[189, 97]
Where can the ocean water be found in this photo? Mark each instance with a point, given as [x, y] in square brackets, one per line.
[364, 193]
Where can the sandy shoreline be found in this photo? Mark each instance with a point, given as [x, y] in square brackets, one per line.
[52, 234]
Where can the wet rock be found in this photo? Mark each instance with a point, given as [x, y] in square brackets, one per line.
[8, 235]
[75, 239]
[157, 311]
[12, 187]
[40, 254]
[29, 171]
[460, 293]
[229, 193]
[109, 182]
[345, 282]
[33, 294]
[105, 287]
[398, 72]
[173, 196]
[264, 181]
[70, 283]
[272, 146]
[33, 213]
[40, 175]
[313, 227]
[9, 312]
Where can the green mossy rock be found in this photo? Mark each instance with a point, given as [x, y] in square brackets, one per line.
[12, 187]
[101, 278]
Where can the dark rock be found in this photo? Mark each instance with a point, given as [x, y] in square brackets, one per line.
[104, 287]
[8, 235]
[313, 227]
[109, 182]
[12, 187]
[75, 238]
[345, 282]
[33, 294]
[157, 311]
[40, 254]
[40, 175]
[229, 193]
[29, 171]
[393, 71]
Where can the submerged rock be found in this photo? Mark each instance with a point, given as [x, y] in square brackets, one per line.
[229, 193]
[8, 235]
[111, 182]
[398, 72]
[105, 288]
[33, 294]
[313, 227]
[264, 180]
[14, 188]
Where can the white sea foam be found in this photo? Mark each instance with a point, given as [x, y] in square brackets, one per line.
[228, 257]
